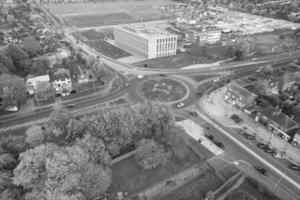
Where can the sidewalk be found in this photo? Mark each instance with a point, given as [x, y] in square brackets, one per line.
[215, 105]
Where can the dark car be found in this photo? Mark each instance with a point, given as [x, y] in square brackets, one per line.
[261, 145]
[210, 137]
[294, 167]
[194, 114]
[249, 137]
[219, 144]
[162, 75]
[242, 132]
[71, 105]
[236, 118]
[261, 170]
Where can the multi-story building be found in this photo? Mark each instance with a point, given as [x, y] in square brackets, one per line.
[61, 81]
[237, 95]
[32, 83]
[8, 3]
[149, 42]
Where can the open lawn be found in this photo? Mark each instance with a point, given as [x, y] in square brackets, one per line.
[274, 42]
[103, 7]
[196, 189]
[99, 20]
[195, 54]
[129, 177]
[163, 90]
[95, 39]
[251, 190]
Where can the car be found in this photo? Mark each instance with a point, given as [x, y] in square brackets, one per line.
[140, 76]
[277, 155]
[270, 151]
[261, 145]
[162, 75]
[98, 57]
[242, 132]
[180, 105]
[219, 144]
[236, 118]
[210, 137]
[126, 84]
[194, 114]
[199, 94]
[71, 105]
[249, 137]
[294, 167]
[12, 108]
[261, 170]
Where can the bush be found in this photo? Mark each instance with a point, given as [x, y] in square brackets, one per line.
[34, 136]
[7, 161]
[151, 155]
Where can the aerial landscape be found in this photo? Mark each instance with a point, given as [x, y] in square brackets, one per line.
[149, 99]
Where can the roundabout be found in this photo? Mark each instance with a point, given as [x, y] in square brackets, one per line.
[164, 90]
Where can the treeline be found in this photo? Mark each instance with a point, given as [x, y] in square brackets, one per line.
[69, 157]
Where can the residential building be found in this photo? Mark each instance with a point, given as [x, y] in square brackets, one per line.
[149, 42]
[61, 81]
[237, 95]
[63, 1]
[8, 3]
[278, 122]
[33, 82]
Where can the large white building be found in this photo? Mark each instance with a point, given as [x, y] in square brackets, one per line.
[149, 42]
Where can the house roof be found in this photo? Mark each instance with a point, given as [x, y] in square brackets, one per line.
[239, 90]
[278, 117]
[61, 73]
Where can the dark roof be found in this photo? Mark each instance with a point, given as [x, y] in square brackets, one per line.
[278, 117]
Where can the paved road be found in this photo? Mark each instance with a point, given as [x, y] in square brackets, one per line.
[278, 173]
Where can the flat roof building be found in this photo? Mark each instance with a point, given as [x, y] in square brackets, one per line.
[147, 41]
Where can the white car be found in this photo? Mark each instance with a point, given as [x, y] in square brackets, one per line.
[180, 105]
[140, 76]
[12, 108]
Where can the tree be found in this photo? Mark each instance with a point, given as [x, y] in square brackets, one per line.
[96, 148]
[14, 91]
[6, 64]
[59, 119]
[34, 135]
[5, 181]
[13, 144]
[39, 67]
[151, 155]
[17, 55]
[31, 46]
[7, 161]
[12, 193]
[95, 180]
[230, 51]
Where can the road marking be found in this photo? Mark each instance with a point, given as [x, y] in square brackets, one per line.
[250, 151]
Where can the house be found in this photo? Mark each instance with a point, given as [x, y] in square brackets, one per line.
[61, 81]
[237, 95]
[278, 122]
[32, 83]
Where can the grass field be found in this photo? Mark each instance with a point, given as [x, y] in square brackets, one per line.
[95, 39]
[99, 20]
[131, 178]
[196, 189]
[251, 190]
[195, 54]
[110, 12]
[163, 90]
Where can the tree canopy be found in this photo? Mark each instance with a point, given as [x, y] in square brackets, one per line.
[18, 56]
[14, 91]
[6, 64]
[31, 46]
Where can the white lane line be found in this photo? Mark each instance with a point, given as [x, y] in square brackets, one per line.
[251, 152]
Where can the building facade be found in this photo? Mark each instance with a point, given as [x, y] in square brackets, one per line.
[63, 1]
[61, 81]
[146, 42]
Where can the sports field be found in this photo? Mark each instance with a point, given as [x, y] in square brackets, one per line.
[109, 13]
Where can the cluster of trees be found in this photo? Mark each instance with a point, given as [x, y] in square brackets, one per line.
[70, 156]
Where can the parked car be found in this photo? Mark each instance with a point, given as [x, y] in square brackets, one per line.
[236, 118]
[242, 132]
[261, 170]
[277, 155]
[140, 76]
[210, 137]
[180, 105]
[219, 144]
[249, 137]
[12, 108]
[261, 145]
[162, 75]
[194, 114]
[294, 167]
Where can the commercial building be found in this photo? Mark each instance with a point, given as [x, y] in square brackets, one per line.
[149, 42]
[278, 122]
